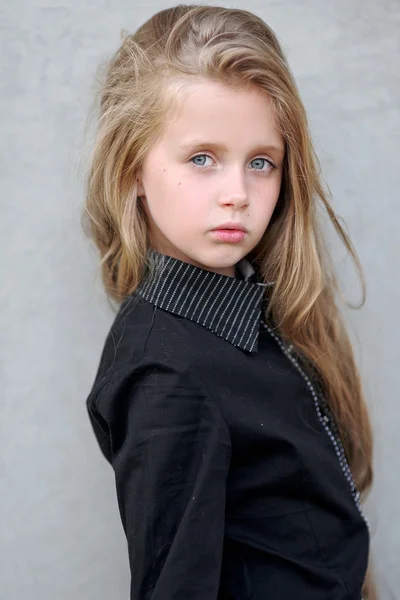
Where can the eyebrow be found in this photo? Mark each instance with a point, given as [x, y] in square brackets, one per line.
[195, 144]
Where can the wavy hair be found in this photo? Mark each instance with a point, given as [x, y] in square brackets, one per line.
[145, 78]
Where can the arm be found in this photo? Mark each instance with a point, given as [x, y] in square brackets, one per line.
[170, 453]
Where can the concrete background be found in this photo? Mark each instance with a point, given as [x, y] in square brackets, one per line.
[61, 536]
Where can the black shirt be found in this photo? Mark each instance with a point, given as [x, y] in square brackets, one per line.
[231, 479]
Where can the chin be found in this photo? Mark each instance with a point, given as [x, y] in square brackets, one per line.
[222, 257]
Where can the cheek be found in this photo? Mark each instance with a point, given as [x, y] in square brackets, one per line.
[265, 207]
[173, 208]
[186, 210]
[184, 198]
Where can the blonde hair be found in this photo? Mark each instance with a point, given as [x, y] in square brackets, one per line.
[143, 80]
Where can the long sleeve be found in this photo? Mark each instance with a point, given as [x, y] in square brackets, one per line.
[170, 450]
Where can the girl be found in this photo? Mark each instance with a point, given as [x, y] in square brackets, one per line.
[227, 397]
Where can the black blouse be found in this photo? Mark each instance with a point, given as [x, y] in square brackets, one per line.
[231, 479]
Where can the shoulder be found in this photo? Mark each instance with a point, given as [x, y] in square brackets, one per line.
[142, 334]
[145, 379]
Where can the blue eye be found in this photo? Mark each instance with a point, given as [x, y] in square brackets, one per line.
[200, 156]
[261, 161]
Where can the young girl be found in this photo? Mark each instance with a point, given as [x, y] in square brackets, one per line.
[227, 398]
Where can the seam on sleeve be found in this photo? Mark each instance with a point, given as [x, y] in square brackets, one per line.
[94, 416]
[190, 368]
[153, 317]
[124, 370]
[103, 384]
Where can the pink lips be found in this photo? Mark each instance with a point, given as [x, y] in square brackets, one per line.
[229, 232]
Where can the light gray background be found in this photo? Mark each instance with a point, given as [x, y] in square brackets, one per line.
[61, 536]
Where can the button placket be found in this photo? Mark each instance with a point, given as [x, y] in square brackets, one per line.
[325, 417]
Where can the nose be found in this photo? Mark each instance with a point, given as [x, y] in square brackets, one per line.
[234, 190]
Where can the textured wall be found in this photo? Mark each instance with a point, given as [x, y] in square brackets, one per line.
[61, 536]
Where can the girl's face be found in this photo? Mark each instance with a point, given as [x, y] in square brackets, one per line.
[218, 161]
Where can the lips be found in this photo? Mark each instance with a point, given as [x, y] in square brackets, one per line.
[230, 226]
[229, 234]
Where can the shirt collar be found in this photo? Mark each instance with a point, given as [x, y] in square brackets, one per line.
[231, 307]
[245, 270]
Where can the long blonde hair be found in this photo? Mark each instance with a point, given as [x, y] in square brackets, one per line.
[143, 80]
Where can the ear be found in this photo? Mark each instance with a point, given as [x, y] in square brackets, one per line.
[139, 186]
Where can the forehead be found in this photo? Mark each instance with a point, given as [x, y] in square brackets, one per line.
[222, 114]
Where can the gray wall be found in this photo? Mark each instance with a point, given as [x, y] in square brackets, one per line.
[61, 536]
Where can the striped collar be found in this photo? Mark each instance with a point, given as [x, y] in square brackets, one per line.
[231, 307]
